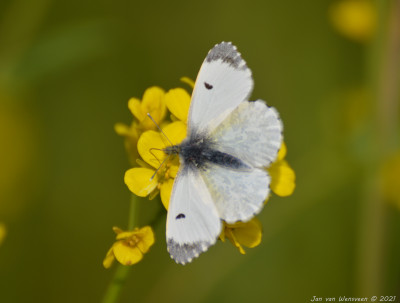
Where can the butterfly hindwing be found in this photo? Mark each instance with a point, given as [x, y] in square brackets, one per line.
[223, 82]
[238, 194]
[251, 133]
[193, 223]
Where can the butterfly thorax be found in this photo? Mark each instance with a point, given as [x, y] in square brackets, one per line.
[199, 151]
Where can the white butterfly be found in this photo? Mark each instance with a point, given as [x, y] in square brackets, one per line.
[229, 142]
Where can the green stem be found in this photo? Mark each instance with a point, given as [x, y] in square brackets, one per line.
[383, 66]
[133, 212]
[113, 291]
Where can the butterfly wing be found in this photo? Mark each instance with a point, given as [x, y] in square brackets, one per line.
[223, 82]
[251, 133]
[238, 194]
[193, 223]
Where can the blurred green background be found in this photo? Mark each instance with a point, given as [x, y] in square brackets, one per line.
[67, 70]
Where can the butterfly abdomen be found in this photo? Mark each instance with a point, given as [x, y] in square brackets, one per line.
[200, 152]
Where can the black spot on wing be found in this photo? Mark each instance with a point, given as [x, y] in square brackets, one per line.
[180, 216]
[207, 85]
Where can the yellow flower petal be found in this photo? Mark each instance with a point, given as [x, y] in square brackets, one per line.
[136, 109]
[117, 230]
[109, 259]
[178, 101]
[176, 132]
[232, 238]
[188, 81]
[282, 178]
[125, 254]
[241, 250]
[138, 180]
[121, 129]
[151, 143]
[173, 170]
[131, 134]
[150, 146]
[222, 236]
[153, 103]
[282, 152]
[146, 235]
[127, 234]
[165, 192]
[249, 233]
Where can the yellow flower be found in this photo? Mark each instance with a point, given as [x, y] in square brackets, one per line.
[153, 102]
[355, 19]
[282, 175]
[241, 234]
[131, 134]
[130, 246]
[150, 147]
[2, 232]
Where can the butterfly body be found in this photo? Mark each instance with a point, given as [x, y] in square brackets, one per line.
[229, 143]
[198, 152]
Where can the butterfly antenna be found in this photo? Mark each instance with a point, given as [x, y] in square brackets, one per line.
[148, 114]
[153, 154]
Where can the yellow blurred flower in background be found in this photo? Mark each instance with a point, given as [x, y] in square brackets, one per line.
[2, 232]
[18, 155]
[390, 177]
[241, 234]
[355, 19]
[130, 246]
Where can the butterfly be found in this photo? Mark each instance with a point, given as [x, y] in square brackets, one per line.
[229, 142]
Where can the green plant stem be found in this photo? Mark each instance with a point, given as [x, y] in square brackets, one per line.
[383, 73]
[133, 212]
[113, 291]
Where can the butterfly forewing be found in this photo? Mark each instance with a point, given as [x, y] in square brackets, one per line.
[193, 222]
[223, 82]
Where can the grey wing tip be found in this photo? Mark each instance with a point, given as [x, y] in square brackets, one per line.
[227, 52]
[186, 252]
[226, 44]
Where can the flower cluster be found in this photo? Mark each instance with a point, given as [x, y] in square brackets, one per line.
[130, 246]
[148, 177]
